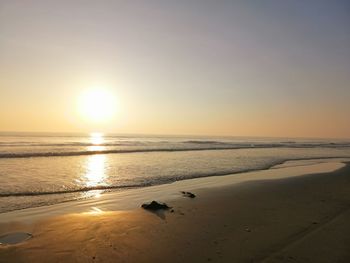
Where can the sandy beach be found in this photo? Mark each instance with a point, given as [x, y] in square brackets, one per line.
[293, 213]
[298, 218]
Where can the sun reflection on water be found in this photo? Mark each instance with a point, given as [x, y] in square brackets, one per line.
[94, 211]
[96, 148]
[95, 170]
[95, 167]
[97, 138]
[92, 194]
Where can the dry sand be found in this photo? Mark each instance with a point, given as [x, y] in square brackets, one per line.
[296, 219]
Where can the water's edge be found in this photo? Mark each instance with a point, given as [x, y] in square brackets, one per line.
[111, 189]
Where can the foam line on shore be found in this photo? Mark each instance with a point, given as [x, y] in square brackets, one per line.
[132, 198]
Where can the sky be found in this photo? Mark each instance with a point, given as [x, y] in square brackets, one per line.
[233, 68]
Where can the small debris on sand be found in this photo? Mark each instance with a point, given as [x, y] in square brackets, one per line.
[188, 194]
[154, 206]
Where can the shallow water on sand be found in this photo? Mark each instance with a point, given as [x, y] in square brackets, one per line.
[42, 169]
[14, 238]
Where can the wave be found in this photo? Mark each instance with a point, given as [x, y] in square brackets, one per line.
[205, 142]
[159, 181]
[223, 146]
[86, 144]
[78, 153]
[154, 181]
[84, 189]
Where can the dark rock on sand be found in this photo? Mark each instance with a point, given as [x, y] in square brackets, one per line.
[188, 194]
[154, 205]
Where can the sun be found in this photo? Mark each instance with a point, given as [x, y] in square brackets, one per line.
[97, 105]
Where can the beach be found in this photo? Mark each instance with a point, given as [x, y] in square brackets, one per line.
[174, 131]
[291, 213]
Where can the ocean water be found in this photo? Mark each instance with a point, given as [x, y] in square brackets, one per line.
[42, 169]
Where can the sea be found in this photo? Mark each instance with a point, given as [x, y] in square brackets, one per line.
[38, 169]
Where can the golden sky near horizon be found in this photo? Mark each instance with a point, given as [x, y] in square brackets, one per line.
[248, 68]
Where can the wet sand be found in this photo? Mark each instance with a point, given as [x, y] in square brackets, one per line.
[293, 219]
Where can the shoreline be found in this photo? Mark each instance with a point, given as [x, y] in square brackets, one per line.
[286, 214]
[278, 164]
[128, 199]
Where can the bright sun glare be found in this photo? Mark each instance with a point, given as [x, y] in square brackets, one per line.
[97, 105]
